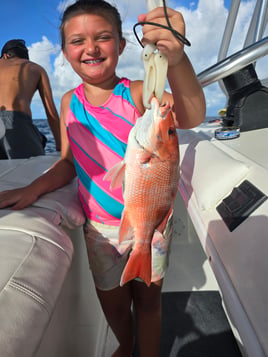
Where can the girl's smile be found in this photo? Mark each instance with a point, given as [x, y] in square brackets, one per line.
[92, 47]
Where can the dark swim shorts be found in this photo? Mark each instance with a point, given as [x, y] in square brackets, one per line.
[22, 138]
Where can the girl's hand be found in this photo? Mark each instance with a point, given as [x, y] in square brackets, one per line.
[18, 198]
[165, 41]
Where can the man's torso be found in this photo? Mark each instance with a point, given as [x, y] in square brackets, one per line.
[18, 82]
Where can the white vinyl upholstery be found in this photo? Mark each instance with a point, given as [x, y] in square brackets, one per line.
[35, 256]
[207, 171]
[33, 265]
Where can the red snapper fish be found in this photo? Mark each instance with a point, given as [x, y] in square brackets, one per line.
[150, 175]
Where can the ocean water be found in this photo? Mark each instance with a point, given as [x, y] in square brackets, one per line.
[43, 126]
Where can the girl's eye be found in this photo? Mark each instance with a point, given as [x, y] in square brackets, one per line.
[77, 42]
[104, 38]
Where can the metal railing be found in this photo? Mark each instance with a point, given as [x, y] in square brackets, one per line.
[234, 62]
[254, 47]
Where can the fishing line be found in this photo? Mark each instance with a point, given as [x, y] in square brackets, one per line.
[169, 27]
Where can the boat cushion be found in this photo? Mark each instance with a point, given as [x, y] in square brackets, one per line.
[207, 171]
[35, 256]
[64, 202]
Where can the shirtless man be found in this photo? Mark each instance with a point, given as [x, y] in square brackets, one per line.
[19, 80]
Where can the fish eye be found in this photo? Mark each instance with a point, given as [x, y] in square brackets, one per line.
[171, 131]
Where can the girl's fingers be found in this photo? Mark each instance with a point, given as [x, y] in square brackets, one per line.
[153, 32]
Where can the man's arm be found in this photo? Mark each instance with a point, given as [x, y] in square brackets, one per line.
[45, 92]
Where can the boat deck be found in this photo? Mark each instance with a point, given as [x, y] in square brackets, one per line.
[201, 243]
[194, 322]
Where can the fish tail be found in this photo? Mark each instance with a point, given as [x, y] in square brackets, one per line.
[138, 266]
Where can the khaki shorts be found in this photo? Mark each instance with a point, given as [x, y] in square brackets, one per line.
[107, 259]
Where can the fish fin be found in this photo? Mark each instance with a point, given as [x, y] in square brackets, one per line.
[116, 175]
[126, 230]
[138, 266]
[163, 224]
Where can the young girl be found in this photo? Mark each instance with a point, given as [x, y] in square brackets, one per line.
[96, 119]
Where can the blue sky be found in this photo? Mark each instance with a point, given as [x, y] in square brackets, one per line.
[38, 21]
[33, 19]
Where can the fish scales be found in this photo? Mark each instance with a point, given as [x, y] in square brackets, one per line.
[148, 184]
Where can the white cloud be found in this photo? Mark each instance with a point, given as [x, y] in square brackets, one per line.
[64, 77]
[130, 63]
[64, 4]
[40, 52]
[204, 28]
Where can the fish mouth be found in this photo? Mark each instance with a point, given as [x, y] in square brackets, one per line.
[163, 110]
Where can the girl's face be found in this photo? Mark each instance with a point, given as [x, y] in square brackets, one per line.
[92, 46]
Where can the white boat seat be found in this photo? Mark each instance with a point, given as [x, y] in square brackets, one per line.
[35, 256]
[34, 261]
[207, 171]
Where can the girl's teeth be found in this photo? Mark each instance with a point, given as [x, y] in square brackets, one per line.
[93, 61]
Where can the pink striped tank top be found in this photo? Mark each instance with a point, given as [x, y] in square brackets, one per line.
[98, 138]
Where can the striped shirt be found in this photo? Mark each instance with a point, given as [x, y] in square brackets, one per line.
[98, 138]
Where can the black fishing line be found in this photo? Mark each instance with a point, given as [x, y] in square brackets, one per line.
[178, 35]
